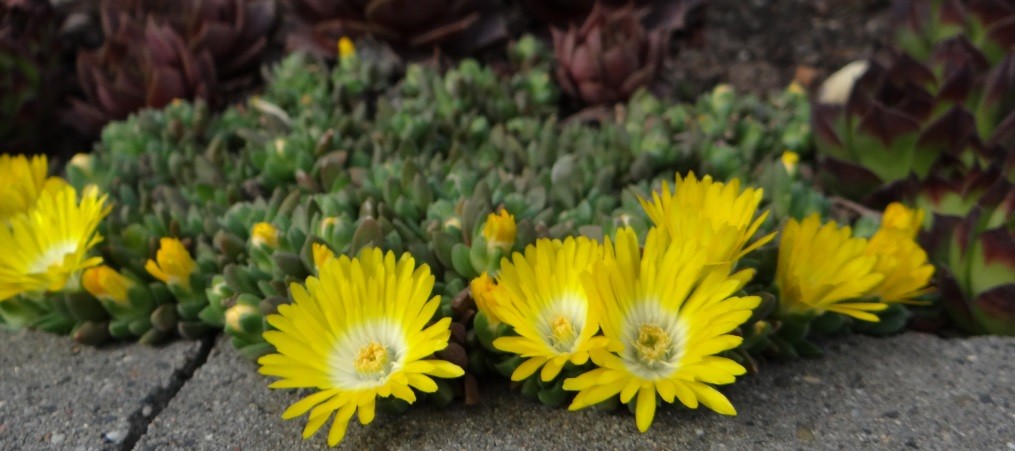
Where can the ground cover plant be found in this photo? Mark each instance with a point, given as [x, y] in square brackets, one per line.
[379, 233]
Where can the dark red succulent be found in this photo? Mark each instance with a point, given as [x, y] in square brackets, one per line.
[236, 32]
[31, 79]
[670, 14]
[978, 277]
[922, 24]
[457, 25]
[139, 66]
[157, 51]
[907, 120]
[610, 56]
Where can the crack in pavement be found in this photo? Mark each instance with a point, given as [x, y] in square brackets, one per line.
[160, 397]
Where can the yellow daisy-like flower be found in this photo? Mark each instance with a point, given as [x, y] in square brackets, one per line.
[105, 283]
[482, 289]
[666, 313]
[823, 268]
[173, 263]
[901, 261]
[47, 248]
[903, 220]
[500, 230]
[264, 234]
[322, 254]
[356, 332]
[541, 296]
[24, 181]
[719, 216]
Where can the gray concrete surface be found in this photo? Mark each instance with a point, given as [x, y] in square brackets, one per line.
[55, 394]
[908, 392]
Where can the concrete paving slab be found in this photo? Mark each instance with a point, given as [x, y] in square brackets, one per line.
[912, 391]
[56, 394]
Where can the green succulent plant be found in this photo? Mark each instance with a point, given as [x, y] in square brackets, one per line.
[335, 159]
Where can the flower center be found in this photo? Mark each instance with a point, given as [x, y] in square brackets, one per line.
[653, 344]
[53, 256]
[372, 359]
[561, 333]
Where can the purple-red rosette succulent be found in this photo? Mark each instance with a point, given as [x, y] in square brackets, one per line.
[609, 57]
[157, 51]
[136, 67]
[235, 32]
[673, 15]
[460, 26]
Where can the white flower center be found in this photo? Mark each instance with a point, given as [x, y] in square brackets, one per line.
[365, 357]
[654, 341]
[562, 324]
[53, 256]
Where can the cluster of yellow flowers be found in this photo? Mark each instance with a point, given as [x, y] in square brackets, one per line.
[51, 231]
[667, 308]
[651, 318]
[47, 229]
[822, 267]
[641, 316]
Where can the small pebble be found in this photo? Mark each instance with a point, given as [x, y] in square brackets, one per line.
[116, 436]
[146, 411]
[811, 379]
[804, 434]
[57, 438]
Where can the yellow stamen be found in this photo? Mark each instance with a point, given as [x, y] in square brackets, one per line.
[562, 333]
[372, 358]
[653, 343]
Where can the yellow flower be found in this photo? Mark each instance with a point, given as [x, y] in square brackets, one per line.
[327, 225]
[789, 160]
[666, 313]
[541, 296]
[823, 268]
[902, 220]
[346, 49]
[322, 253]
[24, 181]
[106, 284]
[718, 216]
[901, 261]
[173, 264]
[500, 230]
[83, 162]
[235, 315]
[356, 332]
[46, 248]
[483, 288]
[264, 234]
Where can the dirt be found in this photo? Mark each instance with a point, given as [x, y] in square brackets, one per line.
[762, 45]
